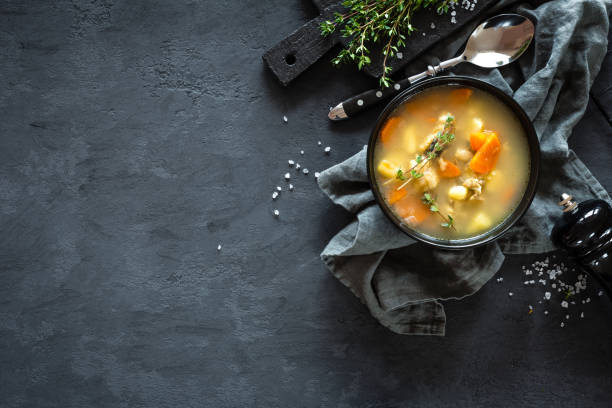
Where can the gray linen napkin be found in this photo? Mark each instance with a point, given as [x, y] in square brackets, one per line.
[402, 282]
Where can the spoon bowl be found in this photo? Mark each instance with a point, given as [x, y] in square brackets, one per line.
[499, 41]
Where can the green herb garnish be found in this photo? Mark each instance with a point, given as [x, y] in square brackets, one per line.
[368, 22]
[442, 138]
[449, 223]
[400, 175]
[433, 207]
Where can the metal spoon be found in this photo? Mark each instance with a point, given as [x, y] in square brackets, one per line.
[497, 42]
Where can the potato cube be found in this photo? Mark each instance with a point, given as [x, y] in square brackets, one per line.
[481, 222]
[463, 154]
[458, 193]
[387, 169]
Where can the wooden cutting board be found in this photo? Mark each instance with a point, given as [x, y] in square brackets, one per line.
[305, 46]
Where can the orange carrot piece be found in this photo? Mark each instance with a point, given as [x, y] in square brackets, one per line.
[448, 169]
[411, 208]
[460, 96]
[477, 140]
[486, 157]
[389, 128]
[396, 195]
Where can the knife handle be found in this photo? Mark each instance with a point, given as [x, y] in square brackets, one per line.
[365, 100]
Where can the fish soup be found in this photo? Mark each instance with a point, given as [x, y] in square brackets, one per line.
[452, 162]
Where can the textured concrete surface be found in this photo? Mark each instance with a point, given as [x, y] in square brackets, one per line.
[135, 136]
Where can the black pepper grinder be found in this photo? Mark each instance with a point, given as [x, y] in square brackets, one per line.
[585, 231]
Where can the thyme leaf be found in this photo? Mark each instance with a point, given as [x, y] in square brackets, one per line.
[368, 22]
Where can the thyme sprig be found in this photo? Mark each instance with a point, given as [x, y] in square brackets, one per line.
[433, 207]
[367, 22]
[442, 138]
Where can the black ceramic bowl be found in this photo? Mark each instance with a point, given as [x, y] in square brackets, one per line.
[534, 152]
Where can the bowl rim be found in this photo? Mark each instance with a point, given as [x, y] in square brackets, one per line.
[534, 153]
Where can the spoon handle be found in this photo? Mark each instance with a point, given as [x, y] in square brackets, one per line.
[358, 103]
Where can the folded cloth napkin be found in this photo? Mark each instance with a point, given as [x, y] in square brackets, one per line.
[402, 282]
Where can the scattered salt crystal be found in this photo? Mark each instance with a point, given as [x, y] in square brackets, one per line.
[219, 247]
[562, 324]
[453, 13]
[566, 317]
[285, 119]
[588, 299]
[600, 293]
[327, 149]
[274, 195]
[564, 304]
[276, 213]
[290, 187]
[510, 294]
[554, 285]
[424, 34]
[454, 20]
[287, 176]
[546, 312]
[302, 152]
[278, 188]
[546, 295]
[291, 163]
[432, 26]
[582, 315]
[317, 174]
[399, 55]
[500, 279]
[319, 143]
[297, 166]
[305, 171]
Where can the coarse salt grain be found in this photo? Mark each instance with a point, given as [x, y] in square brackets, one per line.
[564, 304]
[547, 295]
[317, 174]
[285, 119]
[327, 149]
[319, 143]
[291, 163]
[600, 293]
[278, 188]
[546, 312]
[274, 195]
[582, 315]
[432, 26]
[562, 324]
[566, 317]
[276, 213]
[305, 171]
[290, 187]
[297, 166]
[287, 176]
[302, 152]
[219, 247]
[510, 294]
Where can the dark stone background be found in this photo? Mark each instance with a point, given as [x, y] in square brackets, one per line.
[137, 135]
